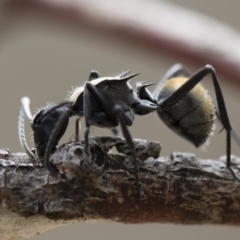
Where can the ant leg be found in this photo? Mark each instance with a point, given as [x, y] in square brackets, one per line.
[87, 108]
[111, 113]
[235, 135]
[51, 142]
[115, 131]
[176, 70]
[24, 110]
[188, 86]
[77, 127]
[56, 132]
[130, 144]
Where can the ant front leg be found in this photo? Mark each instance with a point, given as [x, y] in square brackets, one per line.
[63, 119]
[77, 129]
[50, 127]
[182, 91]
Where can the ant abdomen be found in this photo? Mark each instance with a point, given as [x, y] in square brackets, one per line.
[193, 116]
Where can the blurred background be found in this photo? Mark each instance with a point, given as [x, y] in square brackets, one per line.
[47, 47]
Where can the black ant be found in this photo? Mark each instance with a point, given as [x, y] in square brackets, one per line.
[180, 101]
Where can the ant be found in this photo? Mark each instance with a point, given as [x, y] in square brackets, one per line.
[179, 99]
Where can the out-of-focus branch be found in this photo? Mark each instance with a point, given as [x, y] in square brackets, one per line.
[178, 189]
[159, 25]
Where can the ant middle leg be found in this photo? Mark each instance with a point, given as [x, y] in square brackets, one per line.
[111, 115]
[128, 138]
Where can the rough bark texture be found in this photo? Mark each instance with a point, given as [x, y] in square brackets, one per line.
[178, 189]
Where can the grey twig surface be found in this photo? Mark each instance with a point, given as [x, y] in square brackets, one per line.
[178, 189]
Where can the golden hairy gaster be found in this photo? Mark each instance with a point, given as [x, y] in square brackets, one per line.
[193, 116]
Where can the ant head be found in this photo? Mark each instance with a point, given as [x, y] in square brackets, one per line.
[44, 124]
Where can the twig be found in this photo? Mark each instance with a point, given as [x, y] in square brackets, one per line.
[179, 188]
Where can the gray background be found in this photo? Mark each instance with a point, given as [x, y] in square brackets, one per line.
[43, 59]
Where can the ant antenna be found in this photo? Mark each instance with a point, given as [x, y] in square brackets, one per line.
[24, 110]
[25, 105]
[51, 141]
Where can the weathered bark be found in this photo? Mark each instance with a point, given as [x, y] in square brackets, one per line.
[178, 189]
